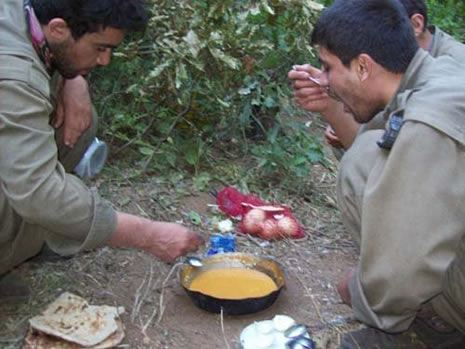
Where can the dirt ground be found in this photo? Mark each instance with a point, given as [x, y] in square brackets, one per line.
[158, 312]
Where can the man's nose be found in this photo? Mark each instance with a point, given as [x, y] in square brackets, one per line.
[104, 58]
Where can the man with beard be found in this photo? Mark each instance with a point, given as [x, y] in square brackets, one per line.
[40, 201]
[342, 128]
[400, 190]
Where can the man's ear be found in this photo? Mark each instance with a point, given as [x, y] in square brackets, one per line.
[58, 30]
[363, 66]
[418, 23]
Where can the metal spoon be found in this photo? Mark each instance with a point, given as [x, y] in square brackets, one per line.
[328, 89]
[319, 83]
[295, 331]
[193, 261]
[316, 81]
[300, 343]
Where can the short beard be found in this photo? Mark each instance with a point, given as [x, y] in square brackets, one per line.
[60, 61]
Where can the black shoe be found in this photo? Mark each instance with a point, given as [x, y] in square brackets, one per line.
[13, 289]
[370, 338]
[419, 336]
[47, 255]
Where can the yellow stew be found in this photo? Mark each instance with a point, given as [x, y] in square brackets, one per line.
[233, 283]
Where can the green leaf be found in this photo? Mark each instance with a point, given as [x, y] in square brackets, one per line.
[193, 43]
[170, 157]
[159, 69]
[244, 91]
[267, 7]
[245, 115]
[195, 218]
[201, 182]
[232, 62]
[146, 151]
[315, 156]
[181, 75]
[269, 102]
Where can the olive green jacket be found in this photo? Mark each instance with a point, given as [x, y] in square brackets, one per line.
[36, 194]
[445, 45]
[405, 205]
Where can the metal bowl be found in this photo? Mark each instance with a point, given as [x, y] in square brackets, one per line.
[233, 260]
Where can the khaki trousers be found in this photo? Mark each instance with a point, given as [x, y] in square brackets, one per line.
[355, 170]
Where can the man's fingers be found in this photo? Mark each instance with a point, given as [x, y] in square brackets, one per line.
[307, 68]
[196, 241]
[59, 115]
[314, 93]
[302, 67]
[71, 135]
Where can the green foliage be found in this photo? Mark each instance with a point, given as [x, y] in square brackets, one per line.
[288, 153]
[449, 15]
[204, 73]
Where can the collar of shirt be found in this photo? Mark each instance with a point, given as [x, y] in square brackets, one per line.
[431, 43]
[39, 42]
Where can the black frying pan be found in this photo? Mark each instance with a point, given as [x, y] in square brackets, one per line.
[233, 260]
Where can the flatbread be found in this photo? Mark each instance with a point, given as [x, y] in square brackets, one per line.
[71, 318]
[37, 340]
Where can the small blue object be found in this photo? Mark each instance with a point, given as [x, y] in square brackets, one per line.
[221, 244]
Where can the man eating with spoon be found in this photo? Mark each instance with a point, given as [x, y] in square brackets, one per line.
[400, 190]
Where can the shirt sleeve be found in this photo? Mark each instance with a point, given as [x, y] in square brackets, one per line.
[411, 223]
[35, 183]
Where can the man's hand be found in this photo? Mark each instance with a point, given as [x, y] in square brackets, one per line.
[171, 240]
[313, 98]
[332, 138]
[164, 240]
[307, 94]
[74, 110]
[343, 286]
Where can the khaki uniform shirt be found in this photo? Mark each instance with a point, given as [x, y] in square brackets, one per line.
[39, 201]
[445, 45]
[405, 206]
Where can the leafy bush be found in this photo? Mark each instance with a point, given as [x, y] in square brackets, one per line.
[449, 15]
[204, 73]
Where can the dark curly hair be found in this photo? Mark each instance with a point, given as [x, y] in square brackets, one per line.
[90, 16]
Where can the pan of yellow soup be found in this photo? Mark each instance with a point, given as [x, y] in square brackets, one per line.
[238, 283]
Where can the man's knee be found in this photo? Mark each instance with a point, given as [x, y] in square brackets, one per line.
[70, 157]
[354, 170]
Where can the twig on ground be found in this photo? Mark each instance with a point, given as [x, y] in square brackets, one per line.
[317, 308]
[353, 339]
[254, 240]
[162, 308]
[149, 321]
[222, 329]
[94, 279]
[142, 210]
[11, 340]
[141, 296]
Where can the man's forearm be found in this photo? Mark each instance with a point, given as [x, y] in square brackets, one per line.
[165, 240]
[343, 124]
[130, 231]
